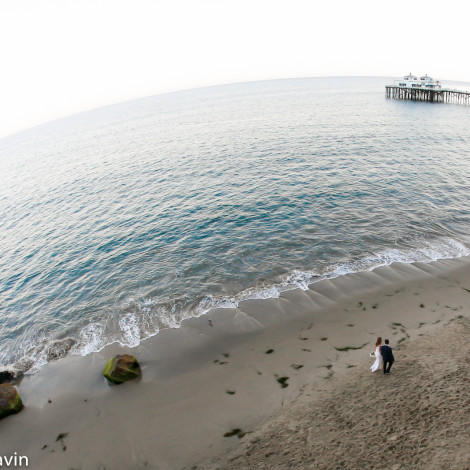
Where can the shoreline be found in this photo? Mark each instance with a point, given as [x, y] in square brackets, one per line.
[73, 344]
[177, 414]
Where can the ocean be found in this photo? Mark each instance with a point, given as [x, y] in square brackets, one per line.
[125, 220]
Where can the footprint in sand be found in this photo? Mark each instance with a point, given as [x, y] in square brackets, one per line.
[330, 372]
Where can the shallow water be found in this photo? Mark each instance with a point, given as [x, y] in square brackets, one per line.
[127, 219]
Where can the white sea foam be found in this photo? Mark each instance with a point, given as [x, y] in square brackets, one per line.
[39, 351]
[130, 330]
[168, 321]
[91, 339]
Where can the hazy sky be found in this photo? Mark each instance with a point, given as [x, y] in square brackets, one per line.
[59, 57]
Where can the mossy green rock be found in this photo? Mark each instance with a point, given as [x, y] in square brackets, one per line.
[10, 400]
[121, 368]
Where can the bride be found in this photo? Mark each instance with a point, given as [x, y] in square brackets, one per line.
[378, 357]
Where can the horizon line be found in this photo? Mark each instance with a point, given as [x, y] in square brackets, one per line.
[184, 90]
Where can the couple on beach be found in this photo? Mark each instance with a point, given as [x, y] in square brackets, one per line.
[383, 356]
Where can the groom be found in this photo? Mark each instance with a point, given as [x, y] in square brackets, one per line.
[387, 356]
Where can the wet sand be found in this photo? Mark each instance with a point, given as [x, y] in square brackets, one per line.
[272, 384]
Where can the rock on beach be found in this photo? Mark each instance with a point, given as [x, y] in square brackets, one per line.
[10, 400]
[121, 368]
[6, 376]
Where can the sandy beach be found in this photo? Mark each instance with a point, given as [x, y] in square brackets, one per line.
[279, 383]
[418, 417]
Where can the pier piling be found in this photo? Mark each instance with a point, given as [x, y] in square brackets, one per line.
[431, 96]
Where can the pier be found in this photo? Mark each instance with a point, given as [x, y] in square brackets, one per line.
[432, 96]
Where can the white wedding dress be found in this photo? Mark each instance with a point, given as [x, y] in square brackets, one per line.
[378, 360]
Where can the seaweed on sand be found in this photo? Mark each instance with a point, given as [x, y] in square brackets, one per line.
[283, 381]
[351, 348]
[235, 432]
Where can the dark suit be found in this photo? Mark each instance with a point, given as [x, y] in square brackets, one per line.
[387, 357]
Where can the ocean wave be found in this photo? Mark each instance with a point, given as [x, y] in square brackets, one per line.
[428, 251]
[39, 352]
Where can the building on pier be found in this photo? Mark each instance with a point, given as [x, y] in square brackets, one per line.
[424, 82]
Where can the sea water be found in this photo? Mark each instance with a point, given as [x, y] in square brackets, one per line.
[121, 221]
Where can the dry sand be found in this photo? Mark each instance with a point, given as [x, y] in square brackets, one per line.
[208, 378]
[418, 417]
